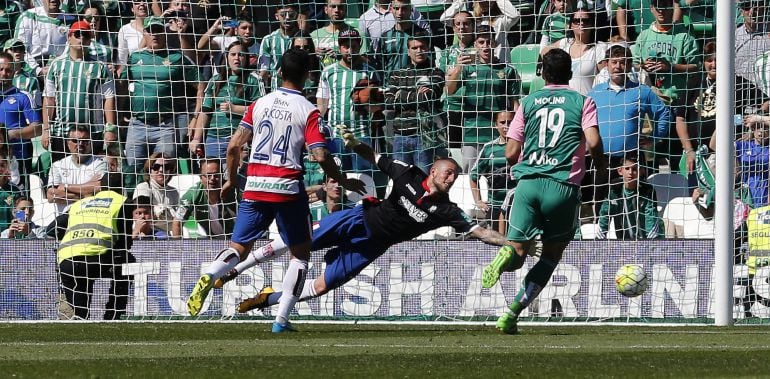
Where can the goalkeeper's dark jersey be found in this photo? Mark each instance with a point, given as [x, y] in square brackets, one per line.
[410, 210]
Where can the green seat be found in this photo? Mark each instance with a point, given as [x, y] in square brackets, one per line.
[42, 164]
[524, 58]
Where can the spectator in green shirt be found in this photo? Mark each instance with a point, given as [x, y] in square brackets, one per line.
[204, 204]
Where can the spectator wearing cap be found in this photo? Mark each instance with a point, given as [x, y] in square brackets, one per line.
[638, 16]
[43, 30]
[490, 87]
[390, 53]
[336, 88]
[24, 77]
[276, 43]
[20, 116]
[152, 78]
[73, 85]
[621, 108]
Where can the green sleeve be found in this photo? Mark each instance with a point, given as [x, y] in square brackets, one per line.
[481, 166]
[690, 51]
[187, 202]
[652, 224]
[208, 97]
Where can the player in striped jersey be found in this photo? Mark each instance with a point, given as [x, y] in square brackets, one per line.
[279, 126]
[71, 85]
[547, 142]
[275, 44]
[335, 100]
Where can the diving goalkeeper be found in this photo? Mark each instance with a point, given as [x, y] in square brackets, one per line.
[417, 204]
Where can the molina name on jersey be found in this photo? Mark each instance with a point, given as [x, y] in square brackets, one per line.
[282, 123]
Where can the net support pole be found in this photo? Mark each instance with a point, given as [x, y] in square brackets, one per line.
[725, 164]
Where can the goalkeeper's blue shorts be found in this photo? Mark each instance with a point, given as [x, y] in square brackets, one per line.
[352, 248]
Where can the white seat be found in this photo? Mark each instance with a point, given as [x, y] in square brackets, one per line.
[682, 220]
[45, 212]
[184, 182]
[589, 231]
[36, 190]
[667, 187]
[460, 194]
[368, 182]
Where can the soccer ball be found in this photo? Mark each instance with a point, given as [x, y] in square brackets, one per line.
[631, 280]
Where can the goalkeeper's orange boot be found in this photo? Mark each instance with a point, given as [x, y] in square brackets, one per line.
[256, 302]
[199, 294]
[500, 264]
[232, 274]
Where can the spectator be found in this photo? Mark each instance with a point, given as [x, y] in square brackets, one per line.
[753, 154]
[72, 86]
[179, 34]
[130, 35]
[227, 95]
[696, 111]
[621, 107]
[144, 225]
[43, 30]
[102, 42]
[325, 38]
[19, 115]
[631, 205]
[153, 85]
[667, 51]
[77, 175]
[463, 27]
[276, 43]
[241, 30]
[493, 165]
[414, 95]
[11, 11]
[303, 41]
[752, 38]
[379, 19]
[585, 51]
[22, 226]
[556, 24]
[331, 199]
[24, 77]
[490, 87]
[203, 204]
[634, 74]
[335, 98]
[8, 194]
[500, 15]
[390, 54]
[159, 169]
[641, 17]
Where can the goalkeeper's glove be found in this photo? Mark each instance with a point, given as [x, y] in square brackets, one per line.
[348, 138]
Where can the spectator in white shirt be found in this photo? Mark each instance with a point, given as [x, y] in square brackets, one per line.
[77, 175]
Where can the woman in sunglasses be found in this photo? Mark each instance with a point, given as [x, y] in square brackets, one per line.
[583, 48]
[228, 93]
[158, 170]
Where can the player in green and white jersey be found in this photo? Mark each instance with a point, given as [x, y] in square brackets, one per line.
[155, 75]
[72, 85]
[549, 132]
[335, 100]
[276, 43]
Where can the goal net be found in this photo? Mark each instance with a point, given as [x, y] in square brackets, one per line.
[145, 97]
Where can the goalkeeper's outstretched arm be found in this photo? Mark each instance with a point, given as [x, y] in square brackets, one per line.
[360, 148]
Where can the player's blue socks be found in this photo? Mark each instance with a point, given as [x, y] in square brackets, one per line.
[534, 282]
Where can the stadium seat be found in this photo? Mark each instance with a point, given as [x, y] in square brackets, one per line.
[682, 220]
[370, 188]
[192, 229]
[184, 182]
[667, 187]
[524, 58]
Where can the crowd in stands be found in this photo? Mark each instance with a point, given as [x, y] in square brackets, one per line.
[154, 90]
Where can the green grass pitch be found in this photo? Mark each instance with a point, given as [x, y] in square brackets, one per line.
[185, 350]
